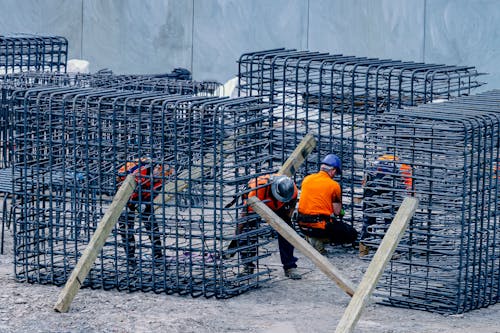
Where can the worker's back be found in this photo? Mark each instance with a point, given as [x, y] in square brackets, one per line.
[318, 193]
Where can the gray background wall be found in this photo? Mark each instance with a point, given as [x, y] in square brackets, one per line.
[208, 36]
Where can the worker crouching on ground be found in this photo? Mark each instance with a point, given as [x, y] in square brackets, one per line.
[383, 179]
[279, 193]
[320, 207]
[149, 178]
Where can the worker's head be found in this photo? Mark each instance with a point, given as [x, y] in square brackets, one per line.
[332, 165]
[282, 188]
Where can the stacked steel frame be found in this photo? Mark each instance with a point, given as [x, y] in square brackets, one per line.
[70, 144]
[449, 258]
[27, 52]
[332, 95]
[10, 82]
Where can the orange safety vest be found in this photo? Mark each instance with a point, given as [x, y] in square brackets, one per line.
[319, 192]
[261, 188]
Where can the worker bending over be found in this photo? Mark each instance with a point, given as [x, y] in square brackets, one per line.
[279, 193]
[320, 207]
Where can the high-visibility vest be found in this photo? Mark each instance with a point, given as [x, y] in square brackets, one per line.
[149, 178]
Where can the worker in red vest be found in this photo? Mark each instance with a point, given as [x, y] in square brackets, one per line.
[149, 178]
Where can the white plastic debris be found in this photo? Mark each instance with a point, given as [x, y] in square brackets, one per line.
[439, 100]
[228, 89]
[78, 66]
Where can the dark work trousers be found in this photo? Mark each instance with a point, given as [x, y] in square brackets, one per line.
[126, 229]
[286, 249]
[336, 231]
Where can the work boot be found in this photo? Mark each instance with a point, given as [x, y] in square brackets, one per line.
[293, 274]
[317, 244]
[363, 250]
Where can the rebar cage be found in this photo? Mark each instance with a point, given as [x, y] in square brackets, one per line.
[194, 155]
[331, 96]
[445, 154]
[103, 79]
[449, 259]
[27, 52]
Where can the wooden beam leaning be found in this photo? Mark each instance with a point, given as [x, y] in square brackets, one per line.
[377, 265]
[289, 168]
[95, 245]
[301, 244]
[298, 156]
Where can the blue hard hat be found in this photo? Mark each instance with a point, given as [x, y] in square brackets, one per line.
[333, 161]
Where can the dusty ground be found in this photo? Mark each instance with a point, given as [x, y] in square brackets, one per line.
[313, 304]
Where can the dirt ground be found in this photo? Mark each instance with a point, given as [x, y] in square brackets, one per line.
[313, 304]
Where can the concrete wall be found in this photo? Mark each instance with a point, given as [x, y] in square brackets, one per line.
[208, 36]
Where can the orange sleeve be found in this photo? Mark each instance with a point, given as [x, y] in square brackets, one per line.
[336, 193]
[407, 174]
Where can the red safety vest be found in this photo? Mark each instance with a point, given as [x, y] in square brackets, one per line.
[145, 174]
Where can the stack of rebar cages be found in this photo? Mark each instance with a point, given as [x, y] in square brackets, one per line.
[28, 52]
[190, 155]
[340, 99]
[331, 96]
[448, 260]
[139, 82]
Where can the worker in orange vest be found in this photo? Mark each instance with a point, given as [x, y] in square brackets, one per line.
[279, 193]
[386, 175]
[320, 207]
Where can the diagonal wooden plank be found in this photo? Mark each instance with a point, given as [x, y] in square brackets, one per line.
[301, 244]
[298, 156]
[95, 245]
[377, 265]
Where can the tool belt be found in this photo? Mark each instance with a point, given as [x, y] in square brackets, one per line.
[313, 221]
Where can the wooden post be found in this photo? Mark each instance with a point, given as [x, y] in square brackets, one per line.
[377, 265]
[95, 245]
[298, 156]
[301, 244]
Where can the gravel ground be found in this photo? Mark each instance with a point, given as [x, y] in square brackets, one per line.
[313, 304]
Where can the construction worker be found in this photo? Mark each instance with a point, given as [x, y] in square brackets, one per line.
[149, 178]
[382, 179]
[279, 193]
[320, 207]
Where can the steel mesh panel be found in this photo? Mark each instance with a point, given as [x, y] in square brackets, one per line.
[27, 52]
[11, 83]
